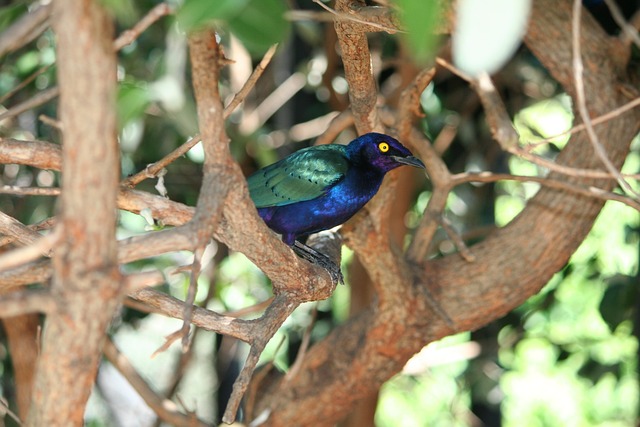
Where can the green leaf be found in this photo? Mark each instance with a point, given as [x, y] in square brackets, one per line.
[123, 10]
[619, 300]
[195, 14]
[419, 18]
[260, 24]
[257, 23]
[133, 99]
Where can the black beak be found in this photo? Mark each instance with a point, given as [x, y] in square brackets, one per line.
[410, 160]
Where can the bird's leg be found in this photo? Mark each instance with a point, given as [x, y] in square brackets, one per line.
[315, 257]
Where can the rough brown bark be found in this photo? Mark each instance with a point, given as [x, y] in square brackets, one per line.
[86, 280]
[511, 265]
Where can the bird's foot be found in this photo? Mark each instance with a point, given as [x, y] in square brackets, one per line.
[318, 258]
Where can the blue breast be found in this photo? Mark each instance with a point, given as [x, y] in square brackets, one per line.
[333, 208]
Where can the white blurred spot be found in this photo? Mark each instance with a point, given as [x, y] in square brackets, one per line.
[487, 33]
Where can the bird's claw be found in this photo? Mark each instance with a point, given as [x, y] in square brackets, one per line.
[320, 259]
[332, 268]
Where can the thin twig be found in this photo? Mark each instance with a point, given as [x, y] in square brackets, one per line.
[579, 128]
[39, 226]
[168, 341]
[409, 108]
[24, 255]
[457, 239]
[153, 169]
[304, 346]
[130, 35]
[257, 381]
[261, 306]
[354, 18]
[182, 363]
[18, 231]
[35, 245]
[266, 327]
[496, 114]
[312, 128]
[555, 167]
[29, 191]
[191, 296]
[578, 68]
[24, 29]
[165, 409]
[56, 124]
[630, 33]
[33, 102]
[6, 410]
[202, 317]
[23, 83]
[272, 103]
[455, 70]
[446, 136]
[338, 124]
[588, 191]
[441, 180]
[506, 137]
[251, 82]
[144, 279]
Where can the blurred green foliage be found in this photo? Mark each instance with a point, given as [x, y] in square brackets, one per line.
[419, 19]
[566, 357]
[257, 23]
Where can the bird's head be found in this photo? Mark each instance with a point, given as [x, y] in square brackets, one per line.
[382, 152]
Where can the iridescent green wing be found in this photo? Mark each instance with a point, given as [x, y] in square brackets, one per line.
[304, 175]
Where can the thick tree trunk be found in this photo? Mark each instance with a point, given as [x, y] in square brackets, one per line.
[86, 279]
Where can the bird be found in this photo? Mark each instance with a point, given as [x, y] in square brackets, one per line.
[320, 187]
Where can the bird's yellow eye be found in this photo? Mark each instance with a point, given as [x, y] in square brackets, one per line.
[383, 147]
